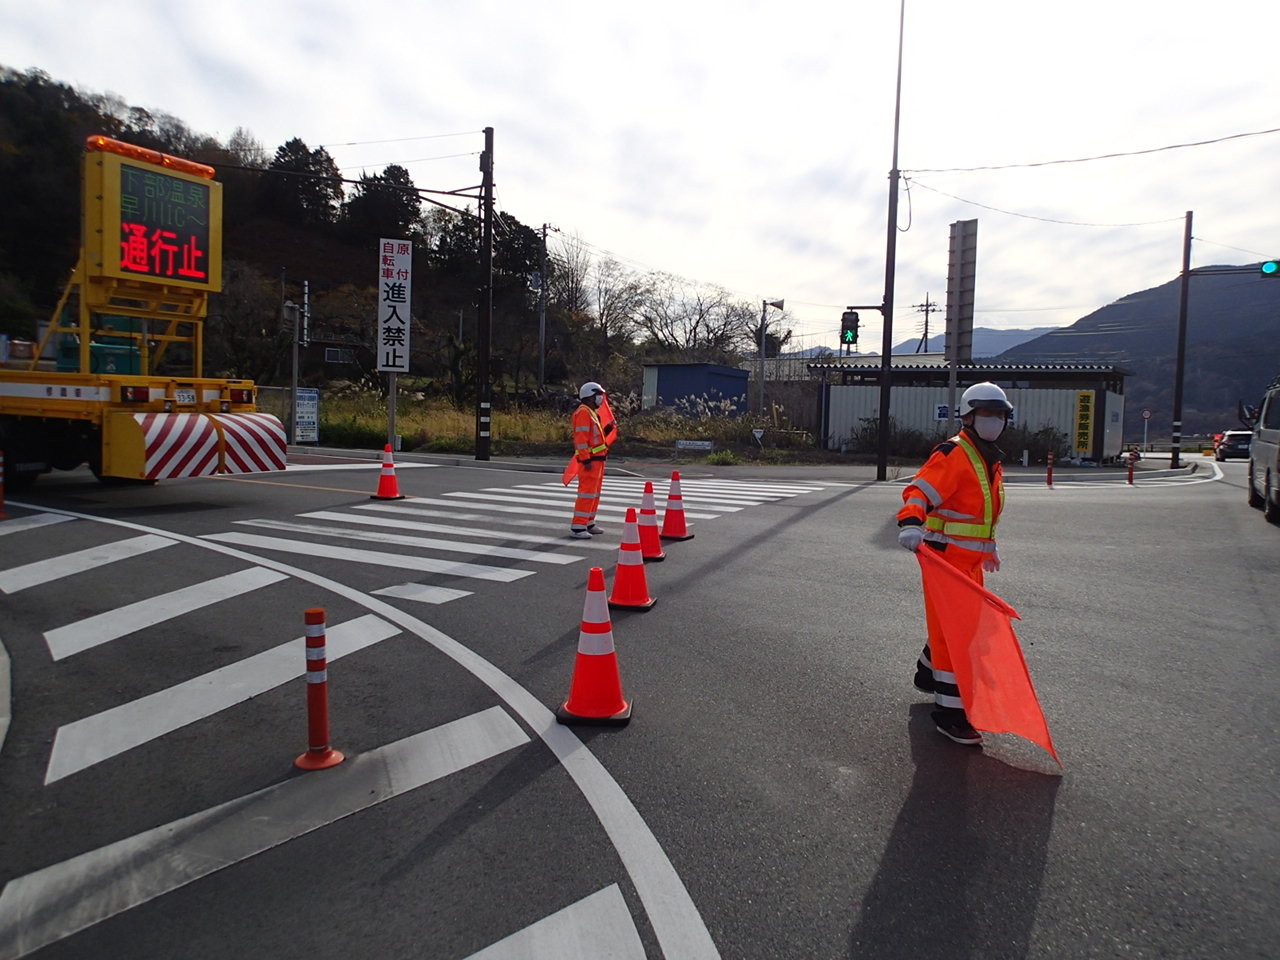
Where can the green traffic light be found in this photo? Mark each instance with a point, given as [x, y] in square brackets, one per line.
[1271, 268]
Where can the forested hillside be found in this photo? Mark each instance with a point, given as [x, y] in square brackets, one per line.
[290, 217]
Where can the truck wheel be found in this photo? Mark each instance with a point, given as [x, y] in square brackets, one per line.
[1271, 509]
[1255, 501]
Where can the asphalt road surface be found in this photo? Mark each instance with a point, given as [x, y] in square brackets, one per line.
[779, 792]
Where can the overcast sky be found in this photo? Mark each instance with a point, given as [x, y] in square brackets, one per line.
[747, 144]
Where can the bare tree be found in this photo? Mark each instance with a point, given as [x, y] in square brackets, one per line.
[570, 272]
[695, 321]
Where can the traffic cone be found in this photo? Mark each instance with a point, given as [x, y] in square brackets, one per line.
[595, 695]
[673, 527]
[630, 587]
[388, 489]
[650, 542]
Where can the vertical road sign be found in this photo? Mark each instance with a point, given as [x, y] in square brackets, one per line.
[395, 273]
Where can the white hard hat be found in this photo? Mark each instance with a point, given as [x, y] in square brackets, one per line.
[589, 389]
[984, 396]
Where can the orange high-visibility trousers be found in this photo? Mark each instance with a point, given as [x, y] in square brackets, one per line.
[936, 656]
[590, 480]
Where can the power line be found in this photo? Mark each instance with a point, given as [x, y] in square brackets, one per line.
[1103, 156]
[1028, 216]
[433, 136]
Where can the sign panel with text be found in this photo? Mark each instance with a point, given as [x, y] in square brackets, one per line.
[395, 273]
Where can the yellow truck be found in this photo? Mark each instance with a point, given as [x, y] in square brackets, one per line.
[116, 380]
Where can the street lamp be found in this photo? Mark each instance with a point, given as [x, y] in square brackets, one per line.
[764, 307]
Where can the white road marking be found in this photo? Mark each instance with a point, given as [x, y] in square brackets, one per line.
[67, 897]
[354, 465]
[411, 508]
[105, 627]
[352, 555]
[69, 564]
[422, 593]
[423, 543]
[483, 500]
[675, 920]
[597, 927]
[107, 734]
[36, 520]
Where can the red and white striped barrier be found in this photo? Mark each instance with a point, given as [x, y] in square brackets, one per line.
[251, 442]
[320, 753]
[178, 445]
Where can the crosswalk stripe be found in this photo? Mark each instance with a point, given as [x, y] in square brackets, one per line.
[113, 624]
[597, 927]
[486, 498]
[425, 543]
[68, 564]
[400, 561]
[107, 734]
[32, 522]
[617, 492]
[422, 593]
[493, 533]
[65, 898]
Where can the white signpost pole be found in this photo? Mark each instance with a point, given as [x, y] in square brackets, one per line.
[395, 275]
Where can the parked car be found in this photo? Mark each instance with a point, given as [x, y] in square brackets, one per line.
[1234, 443]
[1264, 453]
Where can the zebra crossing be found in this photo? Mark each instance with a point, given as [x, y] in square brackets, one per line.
[494, 535]
[486, 538]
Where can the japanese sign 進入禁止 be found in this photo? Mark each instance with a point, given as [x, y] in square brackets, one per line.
[395, 271]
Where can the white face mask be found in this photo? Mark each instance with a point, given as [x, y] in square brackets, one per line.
[989, 428]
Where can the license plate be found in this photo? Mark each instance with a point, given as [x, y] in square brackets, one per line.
[185, 396]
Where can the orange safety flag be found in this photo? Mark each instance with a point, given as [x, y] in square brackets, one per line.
[991, 673]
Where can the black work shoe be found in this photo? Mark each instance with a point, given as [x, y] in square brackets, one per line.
[924, 681]
[961, 731]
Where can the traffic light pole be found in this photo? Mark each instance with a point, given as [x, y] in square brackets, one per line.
[1176, 446]
[890, 265]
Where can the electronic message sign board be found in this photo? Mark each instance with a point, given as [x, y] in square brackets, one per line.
[149, 216]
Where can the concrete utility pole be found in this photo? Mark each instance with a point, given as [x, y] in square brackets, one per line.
[926, 308]
[1176, 446]
[484, 405]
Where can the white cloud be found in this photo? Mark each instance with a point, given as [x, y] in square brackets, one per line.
[747, 144]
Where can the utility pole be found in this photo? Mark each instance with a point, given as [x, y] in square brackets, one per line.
[890, 265]
[1176, 446]
[926, 308]
[484, 405]
[542, 309]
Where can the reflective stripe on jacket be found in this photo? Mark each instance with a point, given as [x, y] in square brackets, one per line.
[588, 435]
[955, 498]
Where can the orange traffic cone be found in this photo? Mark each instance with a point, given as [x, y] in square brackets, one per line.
[388, 489]
[650, 542]
[630, 587]
[595, 696]
[673, 527]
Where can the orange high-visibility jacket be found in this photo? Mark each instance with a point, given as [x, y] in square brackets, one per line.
[588, 434]
[956, 497]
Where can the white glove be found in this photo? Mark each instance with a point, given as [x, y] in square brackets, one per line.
[910, 537]
[991, 562]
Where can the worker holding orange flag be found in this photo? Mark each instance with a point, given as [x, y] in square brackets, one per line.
[594, 431]
[952, 506]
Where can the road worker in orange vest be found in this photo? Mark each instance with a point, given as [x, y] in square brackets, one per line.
[594, 430]
[952, 506]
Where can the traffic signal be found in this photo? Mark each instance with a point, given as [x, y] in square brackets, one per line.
[1271, 268]
[849, 328]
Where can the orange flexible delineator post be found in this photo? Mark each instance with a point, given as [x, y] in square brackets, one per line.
[388, 489]
[1048, 477]
[595, 695]
[650, 541]
[320, 754]
[673, 525]
[630, 585]
[3, 515]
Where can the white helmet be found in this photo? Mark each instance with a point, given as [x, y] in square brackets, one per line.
[984, 396]
[589, 389]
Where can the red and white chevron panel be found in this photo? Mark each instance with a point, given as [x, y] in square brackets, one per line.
[251, 442]
[178, 445]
